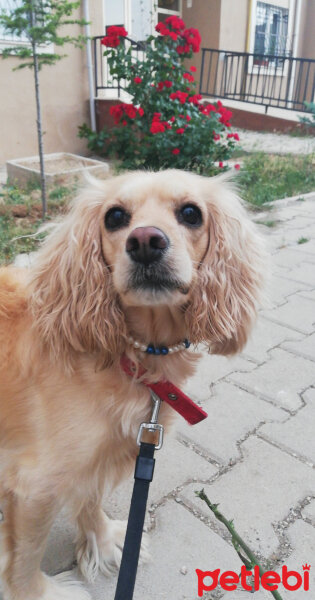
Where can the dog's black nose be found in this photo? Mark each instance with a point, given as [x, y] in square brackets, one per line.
[146, 244]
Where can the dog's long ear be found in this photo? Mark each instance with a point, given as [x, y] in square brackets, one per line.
[230, 278]
[74, 304]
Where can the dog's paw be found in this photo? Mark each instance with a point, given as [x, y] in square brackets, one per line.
[60, 587]
[65, 587]
[105, 554]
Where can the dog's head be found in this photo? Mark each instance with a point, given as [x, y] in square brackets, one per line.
[150, 239]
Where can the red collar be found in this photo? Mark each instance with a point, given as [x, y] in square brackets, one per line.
[168, 392]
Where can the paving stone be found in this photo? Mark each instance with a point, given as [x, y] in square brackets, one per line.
[281, 288]
[298, 222]
[295, 435]
[174, 465]
[297, 313]
[282, 236]
[178, 540]
[266, 336]
[304, 272]
[287, 257]
[257, 492]
[210, 369]
[308, 294]
[59, 554]
[302, 539]
[309, 246]
[232, 414]
[277, 380]
[304, 347]
[242, 595]
[308, 512]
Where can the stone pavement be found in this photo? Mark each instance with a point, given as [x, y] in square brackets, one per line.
[276, 143]
[255, 454]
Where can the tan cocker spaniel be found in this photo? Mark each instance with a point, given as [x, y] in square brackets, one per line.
[143, 259]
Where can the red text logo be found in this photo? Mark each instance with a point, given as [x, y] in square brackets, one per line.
[270, 580]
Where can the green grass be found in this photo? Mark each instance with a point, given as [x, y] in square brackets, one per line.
[20, 217]
[264, 178]
[302, 240]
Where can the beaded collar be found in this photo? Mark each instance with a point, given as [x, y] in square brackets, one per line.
[159, 350]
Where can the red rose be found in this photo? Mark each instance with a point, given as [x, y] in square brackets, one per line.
[189, 77]
[172, 119]
[110, 41]
[180, 130]
[221, 165]
[173, 35]
[157, 127]
[193, 69]
[124, 122]
[181, 96]
[130, 110]
[216, 136]
[117, 31]
[162, 29]
[117, 112]
[176, 151]
[137, 79]
[183, 49]
[195, 99]
[175, 23]
[236, 137]
[160, 86]
[237, 167]
[188, 118]
[168, 84]
[156, 116]
[193, 38]
[140, 111]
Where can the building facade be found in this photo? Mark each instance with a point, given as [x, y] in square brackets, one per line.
[267, 27]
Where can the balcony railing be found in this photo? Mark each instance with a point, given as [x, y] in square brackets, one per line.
[265, 79]
[102, 77]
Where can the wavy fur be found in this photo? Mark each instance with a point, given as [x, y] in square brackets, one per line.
[68, 415]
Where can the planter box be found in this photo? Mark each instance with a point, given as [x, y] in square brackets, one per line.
[60, 168]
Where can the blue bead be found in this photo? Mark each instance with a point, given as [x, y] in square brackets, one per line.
[157, 351]
[150, 349]
[187, 343]
[164, 350]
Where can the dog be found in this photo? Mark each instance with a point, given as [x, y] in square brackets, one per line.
[142, 263]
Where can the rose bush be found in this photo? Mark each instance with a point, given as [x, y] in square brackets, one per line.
[165, 124]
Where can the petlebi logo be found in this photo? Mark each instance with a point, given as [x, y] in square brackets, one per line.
[253, 580]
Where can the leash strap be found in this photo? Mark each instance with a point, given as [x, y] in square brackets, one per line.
[168, 392]
[130, 556]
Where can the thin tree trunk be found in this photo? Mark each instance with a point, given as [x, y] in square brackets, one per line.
[39, 123]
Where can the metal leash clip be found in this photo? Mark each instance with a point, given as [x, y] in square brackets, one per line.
[153, 425]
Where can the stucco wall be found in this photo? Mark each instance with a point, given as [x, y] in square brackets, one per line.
[205, 16]
[64, 101]
[307, 45]
[233, 25]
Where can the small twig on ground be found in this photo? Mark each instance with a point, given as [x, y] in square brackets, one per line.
[251, 561]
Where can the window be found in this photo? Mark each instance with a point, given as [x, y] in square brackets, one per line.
[13, 40]
[141, 19]
[165, 8]
[271, 31]
[7, 6]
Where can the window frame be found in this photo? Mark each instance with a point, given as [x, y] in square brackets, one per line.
[165, 11]
[8, 42]
[269, 69]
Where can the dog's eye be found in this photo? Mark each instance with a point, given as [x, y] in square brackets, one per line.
[116, 218]
[189, 214]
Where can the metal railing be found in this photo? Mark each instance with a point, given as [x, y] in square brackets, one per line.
[265, 79]
[102, 77]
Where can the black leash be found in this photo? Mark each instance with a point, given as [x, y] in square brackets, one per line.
[143, 477]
